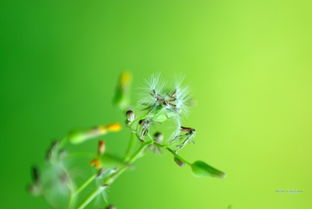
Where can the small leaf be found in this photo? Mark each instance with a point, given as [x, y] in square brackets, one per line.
[201, 168]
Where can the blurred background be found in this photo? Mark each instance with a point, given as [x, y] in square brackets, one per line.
[248, 64]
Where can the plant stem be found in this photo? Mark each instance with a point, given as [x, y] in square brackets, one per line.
[91, 197]
[130, 146]
[115, 175]
[85, 184]
[178, 156]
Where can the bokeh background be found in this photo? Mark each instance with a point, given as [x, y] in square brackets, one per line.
[248, 64]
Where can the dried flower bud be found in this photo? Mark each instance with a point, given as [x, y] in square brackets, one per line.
[111, 207]
[130, 116]
[141, 122]
[187, 129]
[145, 124]
[158, 137]
[101, 147]
[179, 162]
[96, 163]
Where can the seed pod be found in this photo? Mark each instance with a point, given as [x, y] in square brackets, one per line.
[101, 147]
[187, 129]
[144, 128]
[158, 137]
[130, 115]
[179, 162]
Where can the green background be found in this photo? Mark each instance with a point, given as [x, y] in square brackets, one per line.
[248, 64]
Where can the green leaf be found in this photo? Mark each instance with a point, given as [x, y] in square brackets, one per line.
[201, 168]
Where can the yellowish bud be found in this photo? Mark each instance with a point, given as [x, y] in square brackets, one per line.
[101, 147]
[114, 127]
[96, 163]
[125, 79]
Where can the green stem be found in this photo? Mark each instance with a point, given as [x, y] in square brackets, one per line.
[178, 156]
[91, 197]
[74, 195]
[130, 146]
[85, 184]
[115, 175]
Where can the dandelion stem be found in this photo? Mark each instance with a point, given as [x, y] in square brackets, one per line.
[130, 146]
[115, 175]
[85, 184]
[91, 197]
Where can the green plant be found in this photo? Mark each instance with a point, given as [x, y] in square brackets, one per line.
[159, 106]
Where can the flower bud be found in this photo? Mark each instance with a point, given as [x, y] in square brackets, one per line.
[158, 137]
[101, 147]
[96, 163]
[179, 162]
[113, 127]
[145, 124]
[130, 116]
